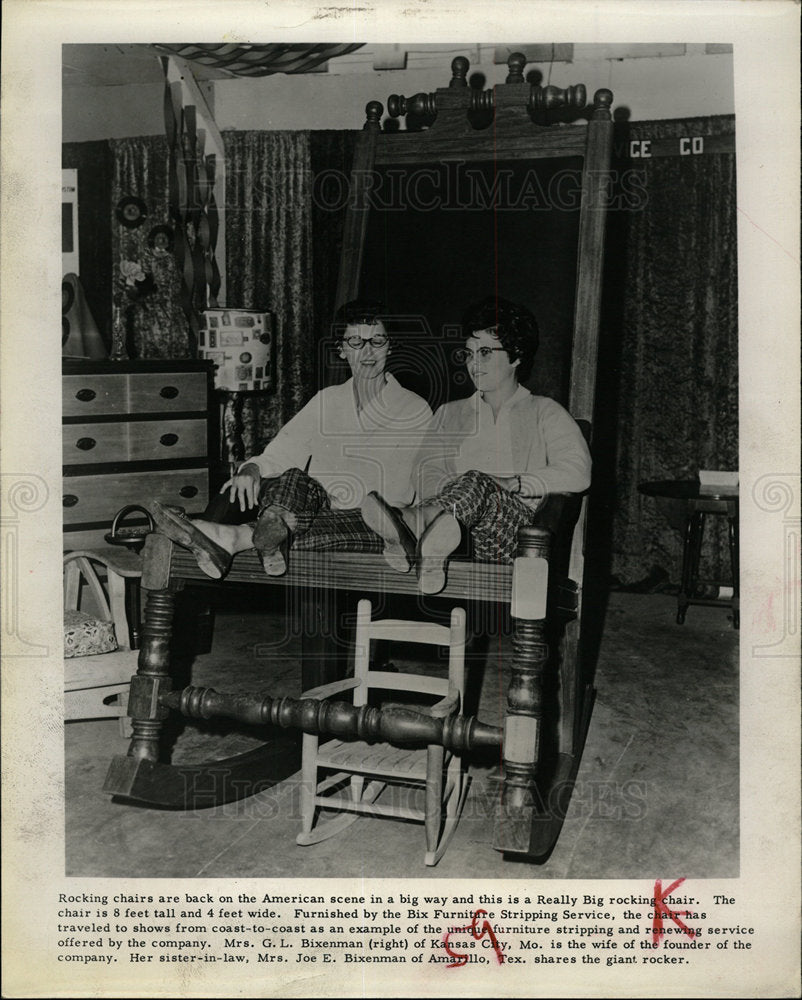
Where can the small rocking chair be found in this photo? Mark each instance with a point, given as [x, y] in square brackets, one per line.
[439, 771]
[98, 659]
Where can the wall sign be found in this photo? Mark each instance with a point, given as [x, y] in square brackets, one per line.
[69, 222]
[687, 145]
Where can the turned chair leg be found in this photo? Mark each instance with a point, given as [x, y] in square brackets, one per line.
[308, 782]
[357, 786]
[434, 798]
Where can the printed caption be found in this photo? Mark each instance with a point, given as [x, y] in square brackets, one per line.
[667, 924]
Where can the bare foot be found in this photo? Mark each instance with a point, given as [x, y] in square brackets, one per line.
[233, 538]
[436, 545]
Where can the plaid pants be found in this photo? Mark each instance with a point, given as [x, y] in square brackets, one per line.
[318, 528]
[492, 514]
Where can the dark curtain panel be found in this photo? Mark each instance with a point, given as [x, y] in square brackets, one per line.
[668, 384]
[93, 162]
[151, 310]
[269, 268]
[332, 154]
[489, 234]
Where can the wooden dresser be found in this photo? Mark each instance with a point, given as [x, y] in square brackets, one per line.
[133, 431]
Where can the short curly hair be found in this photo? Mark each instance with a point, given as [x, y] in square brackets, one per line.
[357, 311]
[514, 325]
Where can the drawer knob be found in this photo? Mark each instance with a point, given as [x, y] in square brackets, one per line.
[168, 440]
[188, 491]
[168, 391]
[69, 500]
[85, 444]
[85, 395]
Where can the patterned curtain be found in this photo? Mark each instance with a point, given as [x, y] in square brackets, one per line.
[148, 293]
[668, 388]
[269, 268]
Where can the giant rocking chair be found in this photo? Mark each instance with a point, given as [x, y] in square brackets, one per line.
[550, 691]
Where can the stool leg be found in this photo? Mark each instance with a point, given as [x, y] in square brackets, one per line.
[736, 571]
[686, 582]
[696, 551]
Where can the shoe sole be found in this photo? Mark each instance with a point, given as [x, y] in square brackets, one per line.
[270, 537]
[212, 559]
[399, 541]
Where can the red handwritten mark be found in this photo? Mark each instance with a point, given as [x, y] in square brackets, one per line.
[461, 957]
[661, 910]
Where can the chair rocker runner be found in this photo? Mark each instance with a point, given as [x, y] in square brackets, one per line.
[370, 767]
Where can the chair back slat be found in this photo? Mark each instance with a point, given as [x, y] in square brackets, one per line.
[385, 681]
[451, 636]
[394, 630]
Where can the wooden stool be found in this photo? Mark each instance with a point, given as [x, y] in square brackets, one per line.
[699, 502]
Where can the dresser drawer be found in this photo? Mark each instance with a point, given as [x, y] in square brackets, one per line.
[139, 441]
[158, 440]
[93, 394]
[90, 444]
[146, 392]
[167, 391]
[98, 498]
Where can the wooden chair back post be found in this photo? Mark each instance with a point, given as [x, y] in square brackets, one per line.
[456, 652]
[362, 651]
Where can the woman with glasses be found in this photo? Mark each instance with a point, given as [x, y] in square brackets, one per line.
[488, 461]
[308, 484]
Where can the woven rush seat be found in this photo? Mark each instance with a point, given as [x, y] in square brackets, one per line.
[380, 759]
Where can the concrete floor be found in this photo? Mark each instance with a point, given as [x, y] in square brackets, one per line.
[656, 793]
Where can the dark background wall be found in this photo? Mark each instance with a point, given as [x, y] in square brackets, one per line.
[433, 263]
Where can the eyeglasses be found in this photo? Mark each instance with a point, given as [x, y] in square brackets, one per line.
[463, 355]
[379, 340]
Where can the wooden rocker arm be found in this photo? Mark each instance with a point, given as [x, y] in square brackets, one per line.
[449, 705]
[327, 690]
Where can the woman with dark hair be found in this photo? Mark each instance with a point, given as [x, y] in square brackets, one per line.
[488, 461]
[307, 486]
